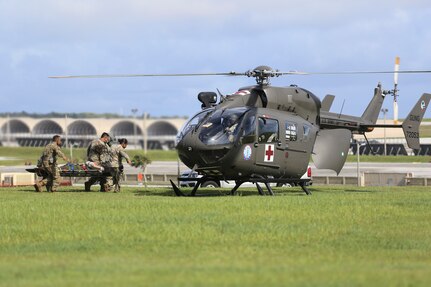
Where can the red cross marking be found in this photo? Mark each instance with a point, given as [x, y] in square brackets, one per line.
[269, 153]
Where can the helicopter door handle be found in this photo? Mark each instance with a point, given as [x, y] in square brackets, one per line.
[280, 147]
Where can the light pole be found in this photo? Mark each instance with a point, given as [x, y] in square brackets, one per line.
[384, 111]
[8, 129]
[71, 150]
[66, 132]
[358, 172]
[135, 140]
[145, 133]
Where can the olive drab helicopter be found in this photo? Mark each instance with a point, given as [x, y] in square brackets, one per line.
[265, 134]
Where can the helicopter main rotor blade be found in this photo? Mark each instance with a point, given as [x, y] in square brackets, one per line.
[251, 73]
[147, 75]
[371, 72]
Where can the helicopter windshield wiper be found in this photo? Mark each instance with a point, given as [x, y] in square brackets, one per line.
[202, 121]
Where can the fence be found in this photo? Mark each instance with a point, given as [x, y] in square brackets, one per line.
[366, 179]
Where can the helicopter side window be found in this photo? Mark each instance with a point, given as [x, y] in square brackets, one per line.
[268, 130]
[291, 131]
[249, 130]
[307, 130]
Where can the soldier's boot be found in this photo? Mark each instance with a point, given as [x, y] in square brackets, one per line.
[48, 188]
[87, 186]
[106, 188]
[54, 188]
[38, 187]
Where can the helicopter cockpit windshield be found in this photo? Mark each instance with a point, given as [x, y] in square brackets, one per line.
[192, 123]
[222, 126]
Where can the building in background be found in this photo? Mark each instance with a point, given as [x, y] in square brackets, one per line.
[34, 131]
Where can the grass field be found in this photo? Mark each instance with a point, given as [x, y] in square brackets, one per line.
[337, 237]
[21, 155]
[391, 158]
[425, 131]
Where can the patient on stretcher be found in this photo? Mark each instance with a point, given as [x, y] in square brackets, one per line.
[93, 165]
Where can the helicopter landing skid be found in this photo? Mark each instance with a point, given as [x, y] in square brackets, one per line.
[305, 189]
[178, 192]
[238, 183]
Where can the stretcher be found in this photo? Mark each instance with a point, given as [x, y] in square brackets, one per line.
[74, 170]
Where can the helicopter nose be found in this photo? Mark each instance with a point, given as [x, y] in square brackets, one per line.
[201, 155]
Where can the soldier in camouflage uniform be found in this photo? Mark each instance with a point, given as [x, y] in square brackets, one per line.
[118, 154]
[99, 156]
[48, 165]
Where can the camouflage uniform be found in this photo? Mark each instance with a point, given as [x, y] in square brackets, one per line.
[100, 153]
[118, 154]
[51, 173]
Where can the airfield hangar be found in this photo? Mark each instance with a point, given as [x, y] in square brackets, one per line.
[159, 133]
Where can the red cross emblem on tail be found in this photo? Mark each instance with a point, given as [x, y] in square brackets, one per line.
[269, 153]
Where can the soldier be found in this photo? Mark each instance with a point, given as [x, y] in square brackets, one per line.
[99, 157]
[48, 164]
[118, 154]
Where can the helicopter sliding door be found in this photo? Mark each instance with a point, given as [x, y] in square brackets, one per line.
[269, 157]
[299, 139]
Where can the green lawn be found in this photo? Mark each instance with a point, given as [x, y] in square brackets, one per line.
[425, 131]
[337, 237]
[31, 154]
[21, 155]
[389, 158]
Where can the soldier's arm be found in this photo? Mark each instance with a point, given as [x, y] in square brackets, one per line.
[61, 154]
[45, 157]
[99, 147]
[126, 156]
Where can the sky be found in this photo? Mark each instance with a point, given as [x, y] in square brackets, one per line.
[60, 37]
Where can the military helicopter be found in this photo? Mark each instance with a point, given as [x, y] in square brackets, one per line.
[265, 134]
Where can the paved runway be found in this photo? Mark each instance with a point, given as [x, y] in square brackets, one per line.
[160, 167]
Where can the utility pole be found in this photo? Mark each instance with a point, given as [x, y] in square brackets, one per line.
[71, 151]
[384, 111]
[135, 139]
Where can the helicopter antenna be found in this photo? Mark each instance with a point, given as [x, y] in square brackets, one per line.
[342, 107]
[222, 98]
